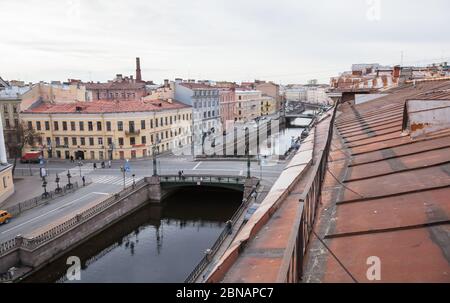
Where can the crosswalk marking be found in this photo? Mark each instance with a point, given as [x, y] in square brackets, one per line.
[115, 180]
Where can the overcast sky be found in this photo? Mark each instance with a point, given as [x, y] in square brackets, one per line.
[238, 40]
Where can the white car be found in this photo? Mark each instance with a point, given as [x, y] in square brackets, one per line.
[250, 211]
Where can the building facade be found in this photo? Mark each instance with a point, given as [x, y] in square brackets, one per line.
[10, 102]
[227, 105]
[103, 130]
[6, 177]
[248, 104]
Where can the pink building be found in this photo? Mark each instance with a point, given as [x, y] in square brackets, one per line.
[227, 99]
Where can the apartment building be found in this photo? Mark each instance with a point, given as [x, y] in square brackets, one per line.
[6, 177]
[102, 130]
[248, 104]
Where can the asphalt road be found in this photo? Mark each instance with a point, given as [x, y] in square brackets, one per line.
[110, 180]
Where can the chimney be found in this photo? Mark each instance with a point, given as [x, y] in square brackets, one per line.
[138, 70]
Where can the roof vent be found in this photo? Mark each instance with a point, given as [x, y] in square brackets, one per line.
[78, 108]
[426, 116]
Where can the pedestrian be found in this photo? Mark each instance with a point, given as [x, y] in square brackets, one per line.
[71, 159]
[179, 174]
[84, 181]
[109, 164]
[103, 164]
[95, 165]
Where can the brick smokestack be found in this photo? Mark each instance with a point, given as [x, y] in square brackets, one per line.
[138, 70]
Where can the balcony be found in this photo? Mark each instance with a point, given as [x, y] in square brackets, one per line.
[133, 132]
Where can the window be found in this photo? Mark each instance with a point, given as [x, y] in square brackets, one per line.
[7, 123]
[110, 141]
[56, 125]
[15, 109]
[91, 141]
[100, 141]
[5, 108]
[16, 122]
[49, 141]
[57, 141]
[151, 123]
[74, 141]
[144, 139]
[30, 125]
[131, 126]
[108, 126]
[142, 124]
[162, 122]
[100, 155]
[132, 141]
[64, 125]
[90, 126]
[156, 122]
[72, 126]
[81, 126]
[82, 141]
[120, 126]
[166, 121]
[5, 182]
[99, 125]
[171, 120]
[66, 141]
[120, 141]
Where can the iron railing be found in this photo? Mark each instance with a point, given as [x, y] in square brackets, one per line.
[207, 259]
[203, 179]
[292, 267]
[39, 200]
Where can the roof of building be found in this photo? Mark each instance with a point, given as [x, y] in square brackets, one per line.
[192, 85]
[13, 92]
[115, 85]
[385, 195]
[106, 107]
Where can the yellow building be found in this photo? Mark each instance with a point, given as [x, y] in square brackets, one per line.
[268, 105]
[103, 130]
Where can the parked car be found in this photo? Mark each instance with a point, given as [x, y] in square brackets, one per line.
[250, 211]
[5, 217]
[31, 157]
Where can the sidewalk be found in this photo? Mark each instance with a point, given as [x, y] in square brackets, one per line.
[26, 188]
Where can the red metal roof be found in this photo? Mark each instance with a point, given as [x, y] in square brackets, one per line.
[107, 107]
[391, 198]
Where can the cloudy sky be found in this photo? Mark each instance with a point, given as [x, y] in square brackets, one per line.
[288, 41]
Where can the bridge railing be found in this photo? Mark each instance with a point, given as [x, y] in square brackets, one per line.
[203, 179]
[32, 243]
[292, 268]
[207, 259]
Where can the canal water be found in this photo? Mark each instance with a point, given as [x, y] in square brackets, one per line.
[155, 244]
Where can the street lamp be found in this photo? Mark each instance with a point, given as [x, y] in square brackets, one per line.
[69, 185]
[58, 189]
[155, 170]
[247, 151]
[79, 166]
[123, 170]
[44, 185]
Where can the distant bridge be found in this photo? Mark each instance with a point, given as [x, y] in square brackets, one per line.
[169, 182]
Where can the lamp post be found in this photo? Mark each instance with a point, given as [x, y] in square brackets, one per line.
[58, 189]
[123, 170]
[247, 151]
[79, 166]
[155, 169]
[69, 185]
[44, 185]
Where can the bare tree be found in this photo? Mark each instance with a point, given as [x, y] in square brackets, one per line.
[22, 137]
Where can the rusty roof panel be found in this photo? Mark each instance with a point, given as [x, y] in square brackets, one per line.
[386, 195]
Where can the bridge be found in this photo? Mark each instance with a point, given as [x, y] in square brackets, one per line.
[170, 182]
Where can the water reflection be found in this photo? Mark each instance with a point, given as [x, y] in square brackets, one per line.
[156, 244]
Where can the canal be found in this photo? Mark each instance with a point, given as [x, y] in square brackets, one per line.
[158, 243]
